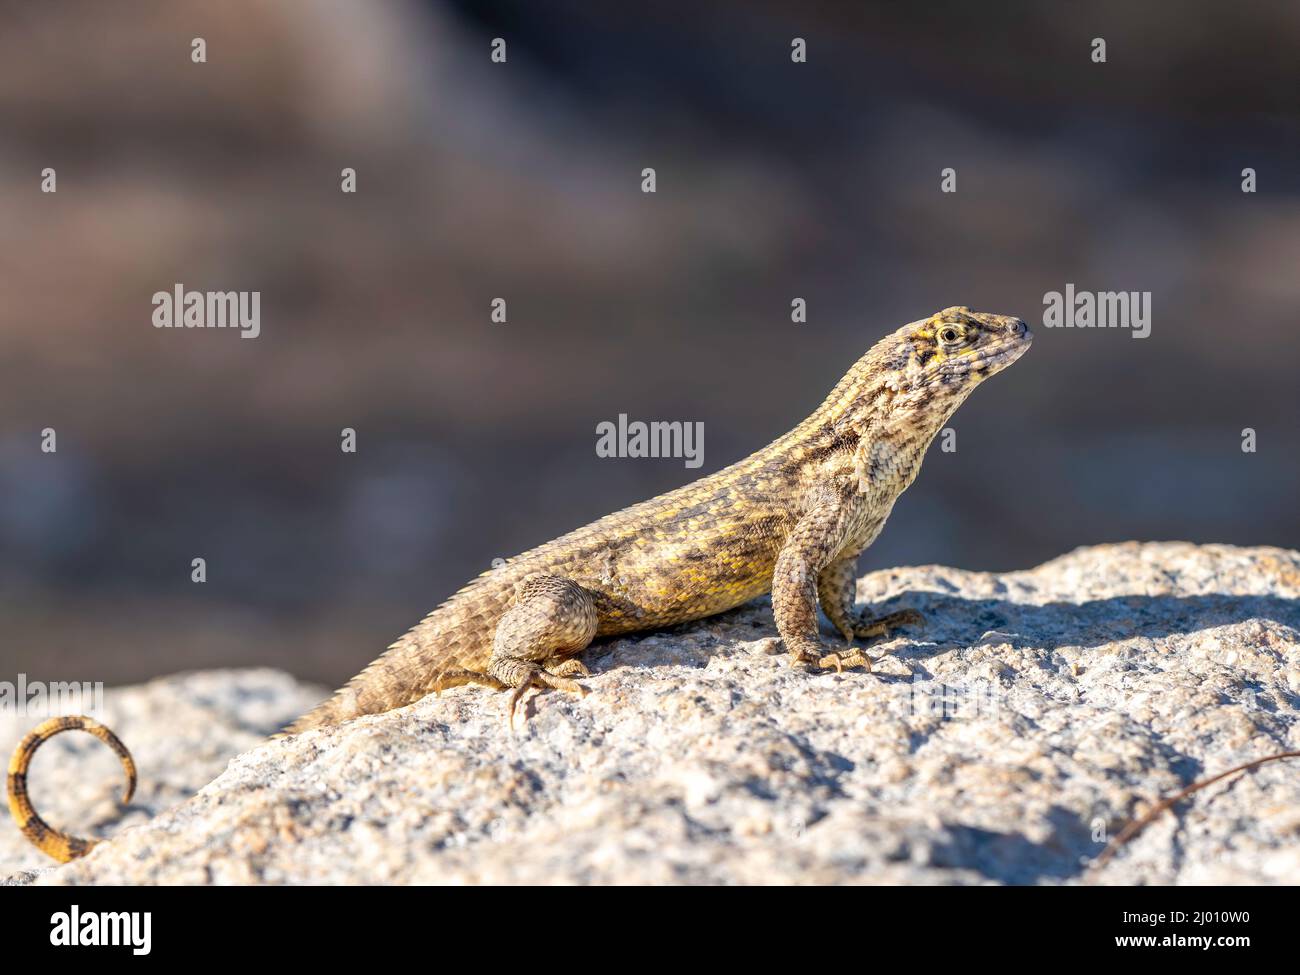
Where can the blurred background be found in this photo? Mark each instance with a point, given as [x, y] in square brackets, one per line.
[521, 180]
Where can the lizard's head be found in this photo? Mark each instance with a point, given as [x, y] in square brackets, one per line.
[954, 350]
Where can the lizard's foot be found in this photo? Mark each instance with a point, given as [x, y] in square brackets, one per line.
[566, 667]
[852, 658]
[529, 675]
[865, 629]
[809, 653]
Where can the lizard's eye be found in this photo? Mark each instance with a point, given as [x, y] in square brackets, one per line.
[949, 335]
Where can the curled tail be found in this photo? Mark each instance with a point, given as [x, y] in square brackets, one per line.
[62, 846]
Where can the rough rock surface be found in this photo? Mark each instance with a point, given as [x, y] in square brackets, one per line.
[1037, 710]
[182, 730]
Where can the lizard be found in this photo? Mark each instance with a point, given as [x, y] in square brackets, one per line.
[790, 519]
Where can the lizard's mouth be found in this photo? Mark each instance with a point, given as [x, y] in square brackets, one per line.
[992, 358]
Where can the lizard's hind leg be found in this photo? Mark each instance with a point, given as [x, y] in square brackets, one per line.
[552, 619]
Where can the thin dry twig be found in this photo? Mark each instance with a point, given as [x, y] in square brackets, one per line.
[1142, 822]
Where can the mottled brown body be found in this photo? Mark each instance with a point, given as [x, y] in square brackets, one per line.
[789, 519]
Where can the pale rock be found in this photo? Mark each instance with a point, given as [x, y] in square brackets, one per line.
[1002, 743]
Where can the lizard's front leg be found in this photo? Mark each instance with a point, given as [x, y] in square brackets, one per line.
[552, 619]
[837, 592]
[810, 548]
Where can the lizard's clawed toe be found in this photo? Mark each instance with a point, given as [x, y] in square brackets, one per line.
[546, 678]
[839, 661]
[515, 698]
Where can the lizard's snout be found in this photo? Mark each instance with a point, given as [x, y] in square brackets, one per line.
[1017, 328]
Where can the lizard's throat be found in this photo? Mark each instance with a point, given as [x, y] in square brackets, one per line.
[921, 412]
